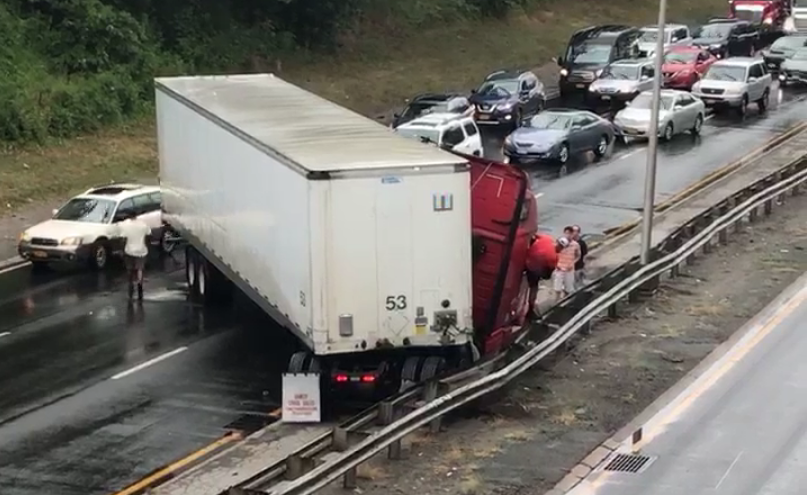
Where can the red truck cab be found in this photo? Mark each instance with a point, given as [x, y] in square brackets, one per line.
[771, 13]
[504, 218]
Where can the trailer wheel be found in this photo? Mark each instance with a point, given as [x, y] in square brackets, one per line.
[410, 370]
[432, 366]
[304, 362]
[190, 270]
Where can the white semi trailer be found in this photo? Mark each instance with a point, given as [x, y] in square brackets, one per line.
[355, 239]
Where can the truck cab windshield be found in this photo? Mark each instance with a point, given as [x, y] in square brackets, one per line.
[716, 31]
[589, 53]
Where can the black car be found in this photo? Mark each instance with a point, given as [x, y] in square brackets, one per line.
[432, 103]
[728, 38]
[783, 48]
[508, 96]
[589, 51]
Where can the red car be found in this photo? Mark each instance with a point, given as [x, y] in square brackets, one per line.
[685, 65]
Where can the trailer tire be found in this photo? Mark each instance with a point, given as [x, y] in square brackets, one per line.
[191, 270]
[433, 366]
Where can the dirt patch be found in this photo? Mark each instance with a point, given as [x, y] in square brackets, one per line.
[525, 439]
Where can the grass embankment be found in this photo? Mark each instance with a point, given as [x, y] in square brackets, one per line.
[378, 65]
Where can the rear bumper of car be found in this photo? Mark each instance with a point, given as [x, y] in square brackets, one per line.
[572, 87]
[773, 63]
[611, 97]
[516, 157]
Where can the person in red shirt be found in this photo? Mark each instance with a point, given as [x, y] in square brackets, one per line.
[542, 258]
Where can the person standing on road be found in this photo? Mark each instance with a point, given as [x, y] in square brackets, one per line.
[135, 234]
[568, 254]
[541, 261]
[580, 266]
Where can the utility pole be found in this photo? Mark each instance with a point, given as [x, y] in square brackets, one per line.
[652, 147]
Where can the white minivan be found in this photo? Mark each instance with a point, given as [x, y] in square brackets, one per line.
[449, 130]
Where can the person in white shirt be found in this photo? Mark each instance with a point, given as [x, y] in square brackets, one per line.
[135, 234]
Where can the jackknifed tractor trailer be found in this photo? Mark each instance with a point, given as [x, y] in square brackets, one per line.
[390, 260]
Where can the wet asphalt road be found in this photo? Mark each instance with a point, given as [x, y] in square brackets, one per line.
[70, 425]
[78, 417]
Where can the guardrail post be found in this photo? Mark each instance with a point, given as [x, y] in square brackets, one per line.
[783, 196]
[294, 467]
[386, 416]
[340, 444]
[723, 235]
[430, 391]
[689, 231]
[707, 220]
[753, 215]
[768, 207]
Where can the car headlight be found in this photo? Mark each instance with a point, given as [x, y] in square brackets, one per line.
[734, 91]
[71, 241]
[716, 46]
[25, 237]
[598, 73]
[564, 72]
[592, 87]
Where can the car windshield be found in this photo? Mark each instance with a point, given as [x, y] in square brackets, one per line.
[800, 55]
[718, 31]
[791, 42]
[501, 88]
[645, 101]
[651, 35]
[550, 121]
[590, 53]
[725, 73]
[90, 210]
[624, 72]
[432, 135]
[680, 57]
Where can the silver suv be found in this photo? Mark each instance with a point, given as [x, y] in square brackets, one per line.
[735, 82]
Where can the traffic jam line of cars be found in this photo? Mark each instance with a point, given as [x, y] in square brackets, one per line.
[706, 70]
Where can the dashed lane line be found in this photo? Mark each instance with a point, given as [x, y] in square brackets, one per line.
[150, 362]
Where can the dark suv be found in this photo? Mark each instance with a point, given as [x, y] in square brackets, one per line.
[431, 103]
[728, 38]
[589, 51]
[507, 97]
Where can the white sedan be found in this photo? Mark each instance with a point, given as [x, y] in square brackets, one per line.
[679, 112]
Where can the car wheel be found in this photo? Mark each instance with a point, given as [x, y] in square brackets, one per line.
[602, 147]
[696, 129]
[669, 132]
[99, 255]
[563, 154]
[763, 102]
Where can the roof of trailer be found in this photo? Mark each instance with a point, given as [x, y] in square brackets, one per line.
[312, 132]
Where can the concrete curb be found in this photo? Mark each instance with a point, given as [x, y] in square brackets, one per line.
[12, 263]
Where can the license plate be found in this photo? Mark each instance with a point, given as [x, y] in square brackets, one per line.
[579, 86]
[606, 97]
[484, 117]
[39, 254]
[629, 130]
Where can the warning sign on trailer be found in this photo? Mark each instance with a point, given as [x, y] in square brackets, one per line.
[301, 398]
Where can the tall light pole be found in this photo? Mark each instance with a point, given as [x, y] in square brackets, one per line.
[652, 147]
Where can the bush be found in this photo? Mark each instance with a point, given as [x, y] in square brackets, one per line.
[73, 66]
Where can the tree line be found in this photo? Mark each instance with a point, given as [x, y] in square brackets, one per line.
[72, 66]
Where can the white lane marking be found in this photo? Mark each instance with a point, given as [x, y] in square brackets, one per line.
[148, 363]
[726, 474]
[629, 154]
[709, 117]
[12, 268]
[538, 195]
[4, 334]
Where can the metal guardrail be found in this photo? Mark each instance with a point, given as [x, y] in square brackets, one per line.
[632, 279]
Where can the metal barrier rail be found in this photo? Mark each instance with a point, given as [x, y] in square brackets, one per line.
[668, 255]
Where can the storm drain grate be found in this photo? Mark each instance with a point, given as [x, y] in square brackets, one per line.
[628, 463]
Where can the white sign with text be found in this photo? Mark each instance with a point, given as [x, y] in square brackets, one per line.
[301, 398]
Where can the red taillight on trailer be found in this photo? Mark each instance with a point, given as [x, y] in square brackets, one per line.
[368, 378]
[341, 378]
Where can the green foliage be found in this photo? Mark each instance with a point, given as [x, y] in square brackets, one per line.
[73, 66]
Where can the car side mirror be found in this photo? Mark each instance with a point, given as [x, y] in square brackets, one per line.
[645, 77]
[395, 115]
[558, 60]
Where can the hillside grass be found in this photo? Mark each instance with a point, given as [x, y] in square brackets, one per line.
[377, 67]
